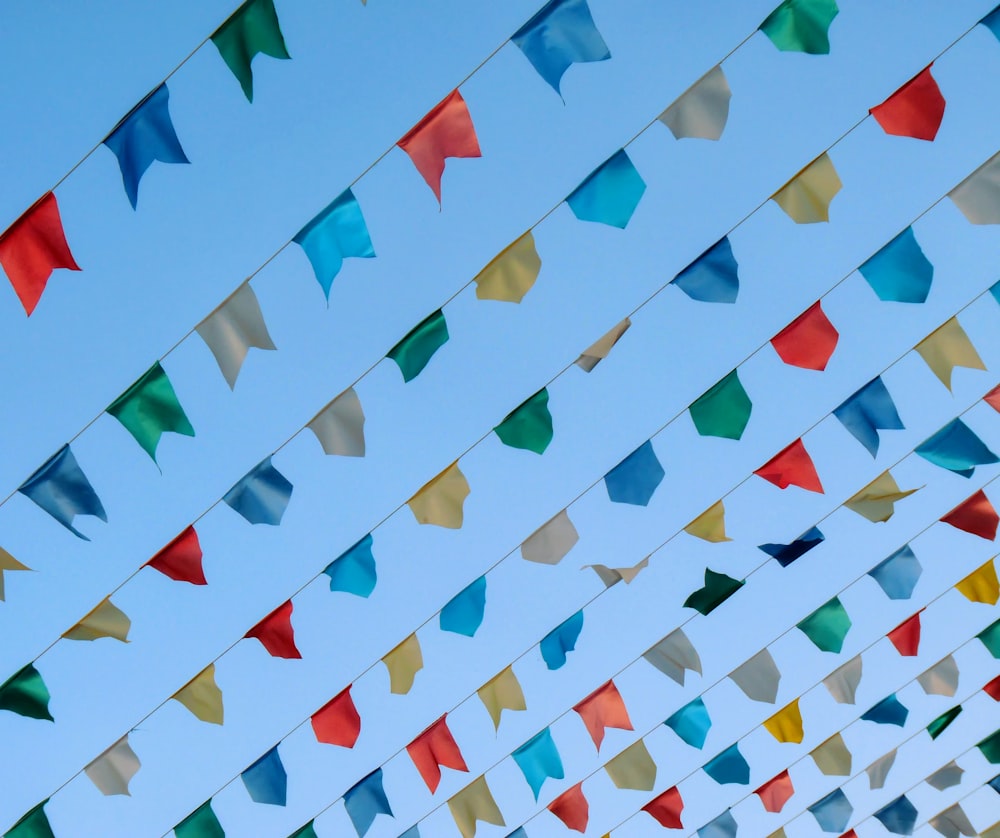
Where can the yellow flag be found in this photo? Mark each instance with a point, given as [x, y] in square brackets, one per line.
[598, 351]
[832, 757]
[106, 620]
[475, 803]
[806, 197]
[8, 562]
[202, 696]
[403, 663]
[633, 768]
[876, 501]
[710, 525]
[502, 692]
[948, 347]
[981, 585]
[511, 274]
[440, 501]
[786, 724]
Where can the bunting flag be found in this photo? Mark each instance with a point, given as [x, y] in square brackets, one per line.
[433, 748]
[717, 589]
[464, 613]
[978, 196]
[868, 411]
[724, 410]
[801, 26]
[105, 620]
[992, 689]
[337, 722]
[990, 636]
[572, 808]
[691, 723]
[758, 677]
[201, 823]
[728, 767]
[550, 543]
[899, 272]
[666, 809]
[149, 408]
[529, 425]
[202, 696]
[560, 641]
[975, 515]
[609, 194]
[145, 135]
[340, 426]
[266, 780]
[940, 679]
[232, 329]
[636, 478]
[786, 724]
[906, 637]
[791, 467]
[889, 711]
[32, 247]
[992, 22]
[776, 792]
[539, 759]
[613, 575]
[440, 501]
[25, 693]
[898, 575]
[713, 277]
[710, 525]
[701, 112]
[808, 341]
[474, 803]
[253, 28]
[403, 663]
[598, 351]
[832, 757]
[948, 347]
[946, 777]
[602, 709]
[512, 273]
[842, 683]
[365, 801]
[261, 496]
[353, 571]
[61, 488]
[877, 500]
[275, 632]
[942, 722]
[724, 826]
[981, 585]
[990, 748]
[806, 197]
[308, 831]
[833, 812]
[8, 562]
[785, 554]
[953, 822]
[674, 655]
[992, 398]
[415, 351]
[827, 626]
[633, 768]
[35, 824]
[915, 110]
[956, 448]
[562, 33]
[180, 560]
[339, 231]
[502, 692]
[878, 771]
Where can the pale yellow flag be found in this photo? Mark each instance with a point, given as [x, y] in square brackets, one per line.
[106, 620]
[702, 110]
[832, 757]
[613, 575]
[340, 426]
[550, 543]
[876, 501]
[981, 585]
[232, 329]
[511, 274]
[710, 525]
[202, 696]
[786, 724]
[978, 196]
[8, 562]
[992, 832]
[475, 803]
[502, 692]
[112, 770]
[403, 663]
[440, 501]
[806, 197]
[778, 833]
[948, 347]
[597, 352]
[940, 679]
[633, 768]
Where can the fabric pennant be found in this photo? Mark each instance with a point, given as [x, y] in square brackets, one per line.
[336, 233]
[728, 767]
[833, 812]
[978, 196]
[433, 748]
[724, 410]
[792, 466]
[440, 501]
[843, 682]
[899, 272]
[61, 489]
[710, 525]
[666, 809]
[202, 696]
[251, 29]
[560, 641]
[992, 22]
[832, 757]
[463, 614]
[475, 803]
[940, 679]
[877, 500]
[602, 709]
[808, 341]
[8, 562]
[550, 543]
[868, 411]
[403, 663]
[806, 197]
[512, 273]
[635, 479]
[942, 722]
[201, 823]
[717, 589]
[262, 495]
[180, 560]
[898, 575]
[572, 808]
[878, 771]
[598, 351]
[539, 759]
[946, 777]
[691, 723]
[953, 822]
[33, 824]
[992, 689]
[415, 351]
[981, 585]
[105, 620]
[990, 637]
[337, 722]
[723, 826]
[975, 515]
[906, 637]
[353, 571]
[613, 575]
[502, 692]
[758, 677]
[785, 554]
[956, 448]
[675, 654]
[340, 426]
[609, 194]
[827, 627]
[889, 711]
[633, 768]
[990, 748]
[713, 277]
[276, 634]
[948, 347]
[801, 26]
[309, 831]
[529, 425]
[232, 329]
[365, 801]
[149, 408]
[25, 693]
[702, 110]
[776, 792]
[266, 780]
[915, 110]
[786, 724]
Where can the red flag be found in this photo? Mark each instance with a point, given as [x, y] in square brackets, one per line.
[666, 809]
[906, 637]
[602, 709]
[432, 749]
[808, 341]
[572, 808]
[792, 467]
[915, 110]
[337, 722]
[775, 793]
[975, 515]
[32, 247]
[992, 689]
[181, 559]
[447, 131]
[275, 633]
[992, 398]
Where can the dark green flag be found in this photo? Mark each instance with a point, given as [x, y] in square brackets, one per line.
[149, 408]
[306, 832]
[252, 28]
[201, 823]
[990, 748]
[718, 588]
[414, 351]
[26, 694]
[528, 426]
[724, 410]
[938, 726]
[35, 824]
[827, 626]
[991, 638]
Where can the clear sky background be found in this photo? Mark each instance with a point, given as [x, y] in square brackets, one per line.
[359, 78]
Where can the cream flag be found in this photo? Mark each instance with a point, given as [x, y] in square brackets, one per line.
[758, 677]
[502, 692]
[940, 679]
[843, 683]
[202, 696]
[946, 776]
[475, 803]
[440, 501]
[876, 501]
[550, 543]
[710, 525]
[786, 724]
[512, 273]
[340, 426]
[613, 575]
[953, 822]
[948, 347]
[981, 585]
[702, 110]
[112, 770]
[403, 663]
[232, 329]
[879, 770]
[832, 757]
[633, 768]
[978, 196]
[8, 562]
[600, 350]
[806, 197]
[106, 620]
[674, 655]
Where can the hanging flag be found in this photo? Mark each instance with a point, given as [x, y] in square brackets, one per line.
[728, 767]
[636, 478]
[806, 197]
[463, 614]
[801, 26]
[941, 723]
[336, 233]
[878, 771]
[512, 273]
[877, 500]
[440, 501]
[610, 193]
[572, 808]
[415, 351]
[403, 663]
[201, 823]
[792, 466]
[992, 398]
[597, 352]
[365, 801]
[981, 585]
[702, 110]
[724, 826]
[842, 683]
[899, 272]
[833, 812]
[61, 488]
[776, 792]
[202, 696]
[956, 448]
[149, 408]
[353, 571]
[992, 689]
[666, 809]
[338, 722]
[145, 135]
[691, 723]
[340, 426]
[953, 822]
[433, 748]
[724, 410]
[808, 341]
[946, 777]
[180, 560]
[602, 709]
[502, 692]
[8, 562]
[253, 28]
[613, 575]
[990, 748]
[990, 636]
[308, 831]
[232, 329]
[539, 759]
[674, 655]
[561, 34]
[906, 636]
[948, 347]
[758, 677]
[717, 589]
[262, 495]
[915, 110]
[25, 693]
[827, 626]
[560, 641]
[992, 22]
[550, 543]
[940, 679]
[889, 711]
[975, 515]
[713, 277]
[276, 634]
[785, 554]
[832, 757]
[32, 247]
[898, 575]
[34, 824]
[633, 768]
[868, 411]
[529, 425]
[710, 525]
[978, 196]
[105, 620]
[474, 803]
[266, 780]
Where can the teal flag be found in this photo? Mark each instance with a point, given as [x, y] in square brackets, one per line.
[414, 351]
[833, 813]
[610, 193]
[35, 824]
[990, 748]
[201, 823]
[25, 693]
[898, 575]
[827, 626]
[801, 25]
[713, 277]
[728, 767]
[262, 495]
[717, 589]
[724, 410]
[149, 408]
[337, 232]
[365, 801]
[956, 448]
[900, 272]
[691, 723]
[889, 711]
[266, 780]
[868, 411]
[353, 572]
[61, 489]
[635, 479]
[529, 425]
[560, 641]
[724, 826]
[253, 28]
[539, 759]
[941, 723]
[464, 613]
[991, 638]
[307, 831]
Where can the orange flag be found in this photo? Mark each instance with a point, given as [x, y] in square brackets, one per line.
[447, 131]
[432, 749]
[906, 637]
[572, 808]
[275, 633]
[975, 515]
[338, 722]
[915, 110]
[792, 467]
[602, 709]
[808, 341]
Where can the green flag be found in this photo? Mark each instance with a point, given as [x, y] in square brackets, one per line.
[827, 626]
[201, 823]
[724, 410]
[35, 824]
[937, 727]
[149, 408]
[306, 832]
[414, 351]
[529, 425]
[801, 25]
[25, 693]
[990, 748]
[718, 588]
[991, 638]
[251, 29]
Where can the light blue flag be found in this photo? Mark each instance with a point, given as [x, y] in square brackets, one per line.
[266, 780]
[868, 411]
[724, 826]
[610, 193]
[785, 554]
[992, 22]
[145, 135]
[561, 34]
[956, 448]
[898, 575]
[713, 277]
[337, 232]
[557, 643]
[539, 759]
[365, 801]
[889, 711]
[353, 572]
[412, 832]
[262, 495]
[899, 817]
[518, 833]
[833, 812]
[634, 479]
[464, 613]
[691, 723]
[728, 767]
[61, 489]
[900, 272]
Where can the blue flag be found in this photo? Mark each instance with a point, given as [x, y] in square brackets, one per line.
[785, 554]
[262, 495]
[724, 826]
[898, 575]
[899, 817]
[995, 287]
[561, 640]
[728, 767]
[995, 784]
[365, 801]
[713, 277]
[956, 448]
[900, 272]
[353, 572]
[610, 193]
[266, 780]
[464, 613]
[992, 22]
[412, 832]
[691, 723]
[61, 489]
[833, 812]
[634, 479]
[337, 232]
[539, 759]
[889, 711]
[868, 411]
